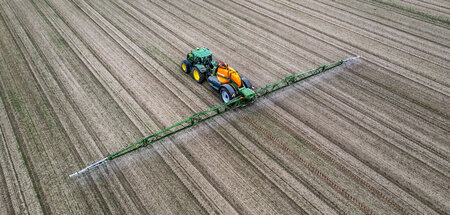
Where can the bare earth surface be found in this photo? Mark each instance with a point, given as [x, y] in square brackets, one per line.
[82, 79]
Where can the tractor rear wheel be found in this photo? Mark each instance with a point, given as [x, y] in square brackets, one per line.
[198, 76]
[227, 93]
[185, 66]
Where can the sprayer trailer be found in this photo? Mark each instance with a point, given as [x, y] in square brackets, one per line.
[220, 76]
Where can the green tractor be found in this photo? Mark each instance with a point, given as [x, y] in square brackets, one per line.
[221, 77]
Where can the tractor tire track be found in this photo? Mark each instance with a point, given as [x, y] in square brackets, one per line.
[331, 174]
[419, 33]
[224, 167]
[100, 198]
[312, 169]
[411, 13]
[204, 100]
[291, 172]
[428, 116]
[435, 5]
[341, 45]
[328, 59]
[125, 183]
[392, 146]
[121, 177]
[155, 120]
[377, 64]
[442, 91]
[6, 198]
[15, 122]
[408, 135]
[339, 166]
[255, 149]
[296, 29]
[207, 34]
[426, 5]
[268, 55]
[371, 166]
[361, 30]
[89, 129]
[286, 118]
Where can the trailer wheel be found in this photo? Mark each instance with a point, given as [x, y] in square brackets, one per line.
[247, 83]
[227, 93]
[198, 76]
[185, 66]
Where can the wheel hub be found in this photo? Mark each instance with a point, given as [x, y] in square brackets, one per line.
[225, 96]
[196, 75]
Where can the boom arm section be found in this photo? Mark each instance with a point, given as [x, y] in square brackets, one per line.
[213, 112]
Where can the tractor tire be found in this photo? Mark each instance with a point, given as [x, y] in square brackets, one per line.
[198, 76]
[247, 83]
[185, 66]
[227, 93]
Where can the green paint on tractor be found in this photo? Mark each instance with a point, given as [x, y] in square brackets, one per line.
[201, 52]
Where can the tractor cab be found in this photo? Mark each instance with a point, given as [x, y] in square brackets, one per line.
[201, 56]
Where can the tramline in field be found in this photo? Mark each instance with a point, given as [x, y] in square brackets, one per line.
[235, 91]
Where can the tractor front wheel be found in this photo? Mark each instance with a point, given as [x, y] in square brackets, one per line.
[185, 66]
[198, 76]
[227, 93]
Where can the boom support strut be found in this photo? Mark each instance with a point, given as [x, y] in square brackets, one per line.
[213, 112]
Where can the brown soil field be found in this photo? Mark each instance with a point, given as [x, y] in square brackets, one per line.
[83, 79]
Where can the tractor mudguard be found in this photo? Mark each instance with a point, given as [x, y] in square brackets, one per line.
[229, 88]
[201, 67]
[247, 83]
[214, 82]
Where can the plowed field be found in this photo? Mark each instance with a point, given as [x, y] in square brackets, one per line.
[82, 79]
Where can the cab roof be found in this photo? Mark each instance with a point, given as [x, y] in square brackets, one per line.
[201, 52]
